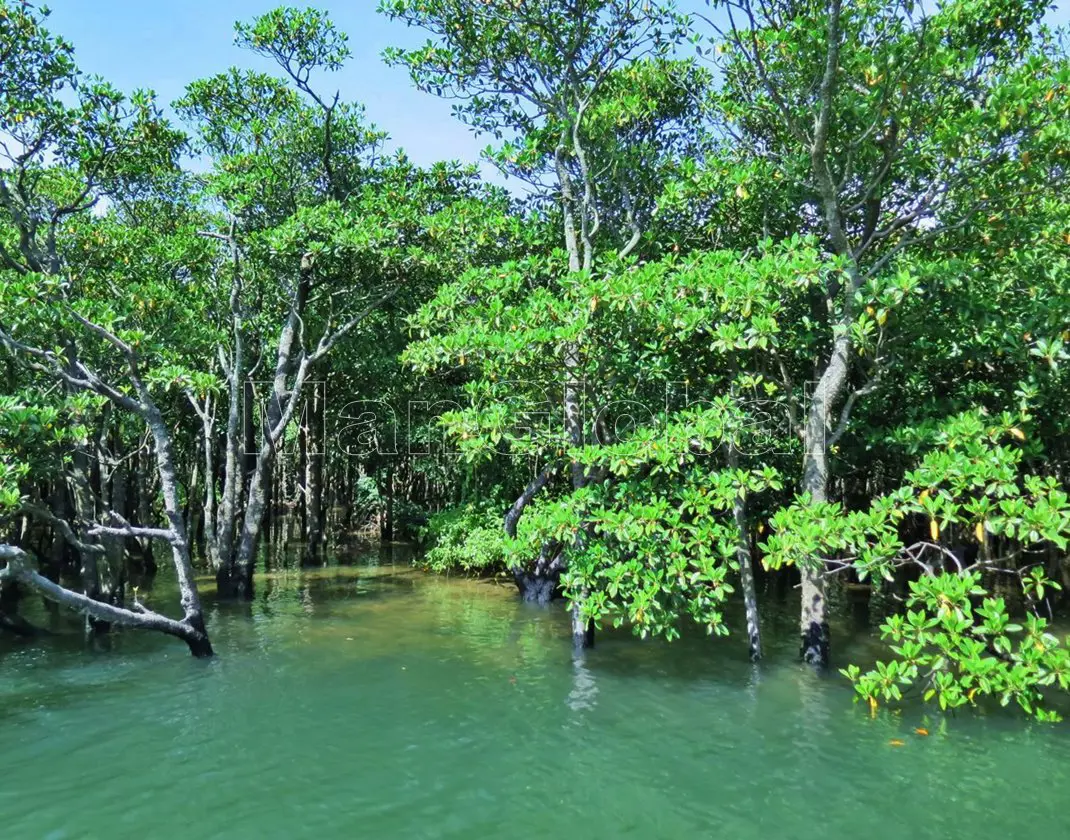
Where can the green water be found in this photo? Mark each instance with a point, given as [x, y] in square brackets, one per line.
[372, 701]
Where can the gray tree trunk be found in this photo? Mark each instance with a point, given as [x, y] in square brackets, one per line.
[85, 512]
[814, 629]
[746, 579]
[314, 476]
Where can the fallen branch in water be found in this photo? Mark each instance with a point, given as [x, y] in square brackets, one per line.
[19, 570]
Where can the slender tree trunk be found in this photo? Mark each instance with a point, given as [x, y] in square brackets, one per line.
[582, 628]
[578, 244]
[194, 513]
[239, 422]
[746, 564]
[193, 615]
[211, 539]
[232, 474]
[314, 476]
[280, 406]
[746, 579]
[85, 512]
[814, 628]
[146, 492]
[116, 546]
[58, 550]
[386, 493]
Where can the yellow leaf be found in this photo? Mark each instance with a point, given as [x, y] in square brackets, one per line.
[896, 742]
[979, 532]
[1049, 96]
[741, 191]
[924, 495]
[921, 730]
[1017, 433]
[934, 530]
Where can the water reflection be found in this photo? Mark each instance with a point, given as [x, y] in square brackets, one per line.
[584, 688]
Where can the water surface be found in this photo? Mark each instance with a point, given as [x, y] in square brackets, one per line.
[374, 701]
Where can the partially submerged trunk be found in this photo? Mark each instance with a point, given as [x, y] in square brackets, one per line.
[744, 558]
[746, 579]
[582, 628]
[114, 584]
[536, 588]
[193, 615]
[542, 584]
[539, 585]
[386, 493]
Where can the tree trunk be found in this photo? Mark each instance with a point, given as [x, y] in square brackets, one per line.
[115, 586]
[536, 587]
[582, 629]
[279, 411]
[814, 629]
[193, 616]
[746, 579]
[386, 523]
[239, 422]
[145, 494]
[314, 476]
[59, 551]
[211, 540]
[85, 512]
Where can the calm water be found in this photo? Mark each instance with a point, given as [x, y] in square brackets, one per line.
[372, 701]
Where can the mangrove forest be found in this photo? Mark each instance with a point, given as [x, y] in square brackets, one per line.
[694, 460]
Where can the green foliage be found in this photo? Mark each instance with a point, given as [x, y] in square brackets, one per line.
[969, 487]
[653, 550]
[465, 539]
[958, 645]
[299, 40]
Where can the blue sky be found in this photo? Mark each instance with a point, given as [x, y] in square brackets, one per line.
[164, 44]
